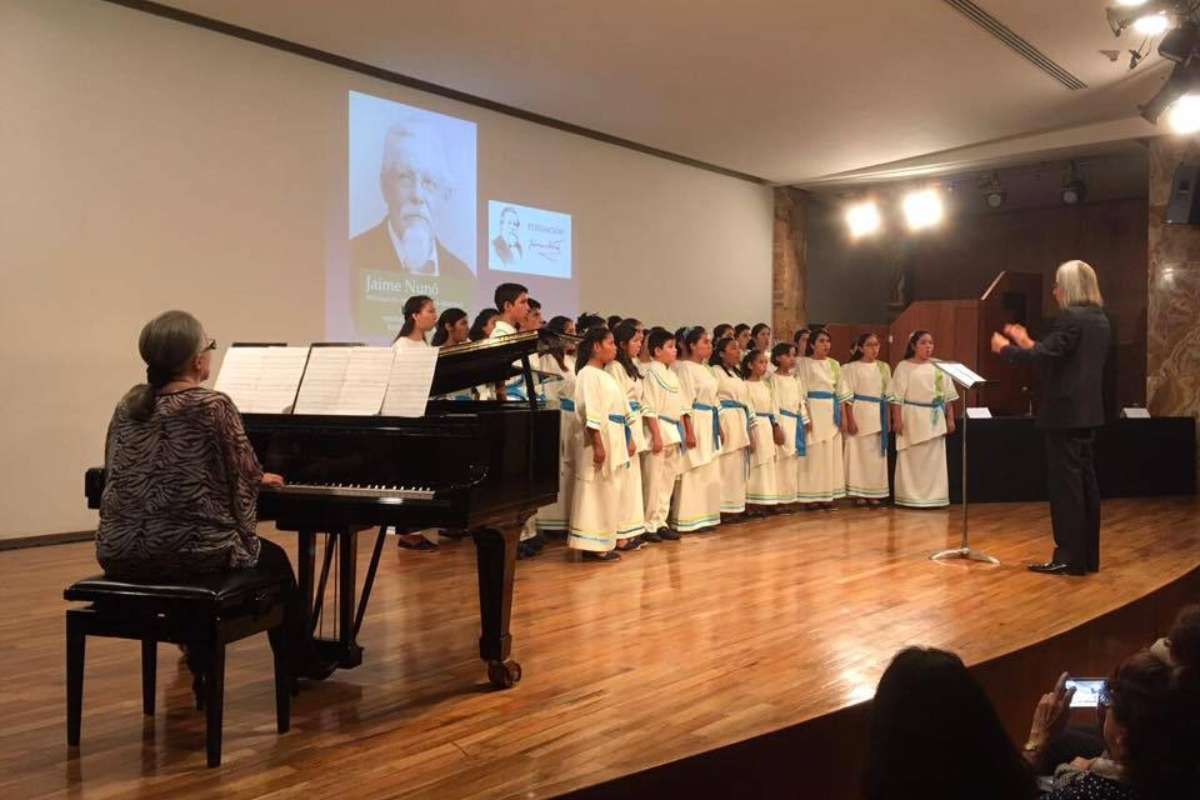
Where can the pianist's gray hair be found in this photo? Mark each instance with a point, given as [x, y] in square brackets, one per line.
[1077, 284]
[167, 344]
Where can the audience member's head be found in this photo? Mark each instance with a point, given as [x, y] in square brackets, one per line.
[934, 734]
[1152, 724]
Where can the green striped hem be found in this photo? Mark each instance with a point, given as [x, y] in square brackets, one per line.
[695, 523]
[731, 509]
[870, 494]
[762, 499]
[939, 503]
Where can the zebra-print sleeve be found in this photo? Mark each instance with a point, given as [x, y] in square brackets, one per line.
[242, 467]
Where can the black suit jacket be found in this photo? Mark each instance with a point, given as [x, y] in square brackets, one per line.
[1070, 360]
[372, 249]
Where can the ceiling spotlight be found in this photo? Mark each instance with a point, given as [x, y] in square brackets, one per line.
[863, 219]
[1184, 79]
[1184, 114]
[1149, 17]
[922, 209]
[1179, 43]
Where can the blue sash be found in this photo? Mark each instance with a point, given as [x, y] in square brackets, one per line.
[937, 407]
[716, 422]
[837, 406]
[566, 404]
[801, 449]
[883, 418]
[682, 430]
[624, 423]
[735, 404]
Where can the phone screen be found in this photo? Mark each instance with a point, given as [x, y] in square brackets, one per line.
[1087, 691]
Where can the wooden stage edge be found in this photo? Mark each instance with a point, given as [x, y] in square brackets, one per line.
[736, 664]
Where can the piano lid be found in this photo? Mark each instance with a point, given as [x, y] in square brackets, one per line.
[491, 361]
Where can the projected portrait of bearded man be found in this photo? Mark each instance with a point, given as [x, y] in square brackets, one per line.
[416, 185]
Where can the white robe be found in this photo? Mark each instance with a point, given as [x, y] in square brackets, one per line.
[595, 503]
[762, 487]
[866, 450]
[697, 500]
[633, 511]
[430, 534]
[788, 393]
[664, 399]
[822, 476]
[561, 395]
[921, 478]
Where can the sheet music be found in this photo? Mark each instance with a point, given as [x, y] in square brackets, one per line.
[262, 379]
[345, 380]
[410, 381]
[959, 373]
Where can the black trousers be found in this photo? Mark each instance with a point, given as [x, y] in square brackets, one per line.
[1074, 497]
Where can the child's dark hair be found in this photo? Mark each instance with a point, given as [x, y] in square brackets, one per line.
[799, 334]
[910, 349]
[412, 307]
[586, 321]
[856, 349]
[748, 361]
[594, 336]
[817, 333]
[613, 321]
[559, 325]
[625, 331]
[739, 329]
[716, 360]
[449, 318]
[722, 330]
[507, 293]
[692, 337]
[779, 350]
[759, 328]
[657, 339]
[484, 316]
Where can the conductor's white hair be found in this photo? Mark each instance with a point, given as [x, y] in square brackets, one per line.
[1077, 283]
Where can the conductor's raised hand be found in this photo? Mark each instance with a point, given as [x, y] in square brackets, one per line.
[999, 342]
[1019, 335]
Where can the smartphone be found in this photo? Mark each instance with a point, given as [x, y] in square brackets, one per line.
[1087, 691]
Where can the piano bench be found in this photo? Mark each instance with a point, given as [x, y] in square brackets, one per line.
[204, 614]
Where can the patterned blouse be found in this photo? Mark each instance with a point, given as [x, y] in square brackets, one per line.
[181, 489]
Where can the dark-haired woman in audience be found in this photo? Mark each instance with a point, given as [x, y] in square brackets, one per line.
[182, 481]
[736, 422]
[629, 338]
[452, 328]
[696, 505]
[481, 328]
[865, 418]
[922, 416]
[788, 393]
[934, 735]
[762, 485]
[602, 451]
[822, 478]
[1150, 719]
[560, 394]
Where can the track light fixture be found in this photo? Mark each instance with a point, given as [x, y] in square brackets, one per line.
[1177, 22]
[1074, 190]
[1149, 18]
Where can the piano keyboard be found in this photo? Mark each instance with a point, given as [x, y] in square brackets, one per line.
[383, 494]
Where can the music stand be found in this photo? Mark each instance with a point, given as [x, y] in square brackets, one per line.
[968, 380]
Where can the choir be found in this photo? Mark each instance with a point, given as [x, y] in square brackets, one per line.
[667, 433]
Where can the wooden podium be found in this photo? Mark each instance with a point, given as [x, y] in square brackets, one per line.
[962, 331]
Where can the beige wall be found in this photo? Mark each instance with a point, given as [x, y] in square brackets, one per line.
[149, 165]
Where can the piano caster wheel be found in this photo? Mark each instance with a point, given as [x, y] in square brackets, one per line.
[504, 674]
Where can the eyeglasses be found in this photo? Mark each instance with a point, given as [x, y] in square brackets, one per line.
[212, 345]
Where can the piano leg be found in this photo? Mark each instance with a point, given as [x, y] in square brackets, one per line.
[496, 557]
[347, 597]
[306, 556]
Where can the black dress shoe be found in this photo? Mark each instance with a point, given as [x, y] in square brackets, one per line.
[1056, 568]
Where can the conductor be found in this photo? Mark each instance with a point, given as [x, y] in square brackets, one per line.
[1070, 360]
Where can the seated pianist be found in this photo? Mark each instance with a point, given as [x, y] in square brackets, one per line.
[182, 482]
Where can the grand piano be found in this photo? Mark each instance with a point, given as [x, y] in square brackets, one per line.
[479, 466]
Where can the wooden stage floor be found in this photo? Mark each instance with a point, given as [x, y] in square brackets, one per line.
[676, 650]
